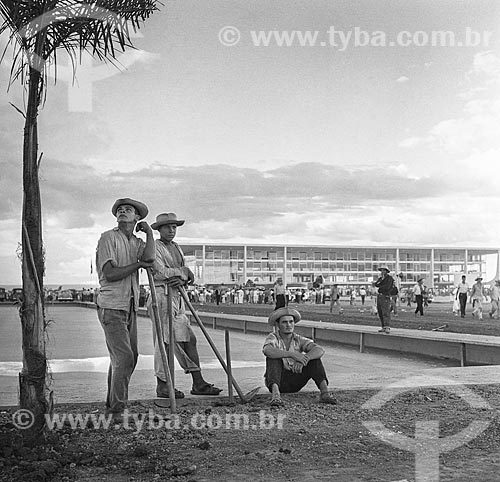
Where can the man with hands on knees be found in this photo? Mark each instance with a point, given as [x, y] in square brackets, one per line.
[291, 359]
[119, 256]
[171, 272]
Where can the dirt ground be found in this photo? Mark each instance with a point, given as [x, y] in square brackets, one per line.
[456, 434]
[209, 440]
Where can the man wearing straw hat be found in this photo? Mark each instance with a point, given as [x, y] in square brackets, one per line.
[384, 284]
[477, 297]
[291, 359]
[119, 256]
[170, 271]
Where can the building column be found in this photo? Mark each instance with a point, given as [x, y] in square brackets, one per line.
[397, 261]
[203, 255]
[244, 264]
[284, 264]
[497, 275]
[466, 261]
[432, 267]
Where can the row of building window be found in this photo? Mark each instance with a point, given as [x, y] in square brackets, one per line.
[333, 256]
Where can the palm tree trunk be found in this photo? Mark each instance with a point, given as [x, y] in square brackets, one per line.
[32, 379]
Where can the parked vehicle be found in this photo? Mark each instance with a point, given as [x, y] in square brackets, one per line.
[3, 295]
[65, 295]
[16, 294]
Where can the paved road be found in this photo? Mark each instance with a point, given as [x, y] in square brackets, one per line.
[79, 361]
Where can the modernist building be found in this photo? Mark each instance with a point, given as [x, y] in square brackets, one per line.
[301, 265]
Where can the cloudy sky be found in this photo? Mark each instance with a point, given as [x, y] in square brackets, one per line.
[343, 143]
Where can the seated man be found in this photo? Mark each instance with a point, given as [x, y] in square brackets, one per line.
[292, 360]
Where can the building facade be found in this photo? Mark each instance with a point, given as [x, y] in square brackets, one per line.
[215, 264]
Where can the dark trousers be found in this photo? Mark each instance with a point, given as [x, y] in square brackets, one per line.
[384, 309]
[462, 297]
[420, 304]
[289, 382]
[280, 301]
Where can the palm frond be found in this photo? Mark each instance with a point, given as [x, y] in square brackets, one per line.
[38, 28]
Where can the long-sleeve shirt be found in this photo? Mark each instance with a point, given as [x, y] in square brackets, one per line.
[169, 262]
[385, 285]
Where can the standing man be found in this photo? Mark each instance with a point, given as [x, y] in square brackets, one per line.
[395, 293]
[477, 296]
[463, 290]
[495, 300]
[170, 271]
[384, 284]
[119, 256]
[335, 299]
[279, 294]
[418, 291]
[362, 293]
[291, 359]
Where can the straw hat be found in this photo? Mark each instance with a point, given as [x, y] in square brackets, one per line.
[384, 267]
[277, 314]
[167, 218]
[141, 208]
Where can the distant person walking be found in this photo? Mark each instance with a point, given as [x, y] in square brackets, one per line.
[463, 290]
[362, 294]
[395, 294]
[335, 299]
[495, 300]
[279, 294]
[477, 296]
[384, 284]
[418, 291]
[119, 256]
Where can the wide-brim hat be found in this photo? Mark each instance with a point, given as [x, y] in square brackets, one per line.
[141, 208]
[384, 267]
[479, 279]
[277, 314]
[420, 279]
[167, 218]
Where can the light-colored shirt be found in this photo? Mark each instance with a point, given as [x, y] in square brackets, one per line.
[114, 246]
[169, 262]
[417, 289]
[477, 291]
[279, 289]
[299, 344]
[495, 293]
[463, 288]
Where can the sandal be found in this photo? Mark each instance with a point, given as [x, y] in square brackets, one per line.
[165, 394]
[207, 389]
[276, 401]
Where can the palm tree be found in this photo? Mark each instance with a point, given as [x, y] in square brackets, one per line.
[38, 30]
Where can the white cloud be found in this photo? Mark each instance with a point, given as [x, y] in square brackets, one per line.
[410, 142]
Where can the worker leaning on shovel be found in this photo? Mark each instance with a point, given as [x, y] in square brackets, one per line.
[119, 256]
[170, 271]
